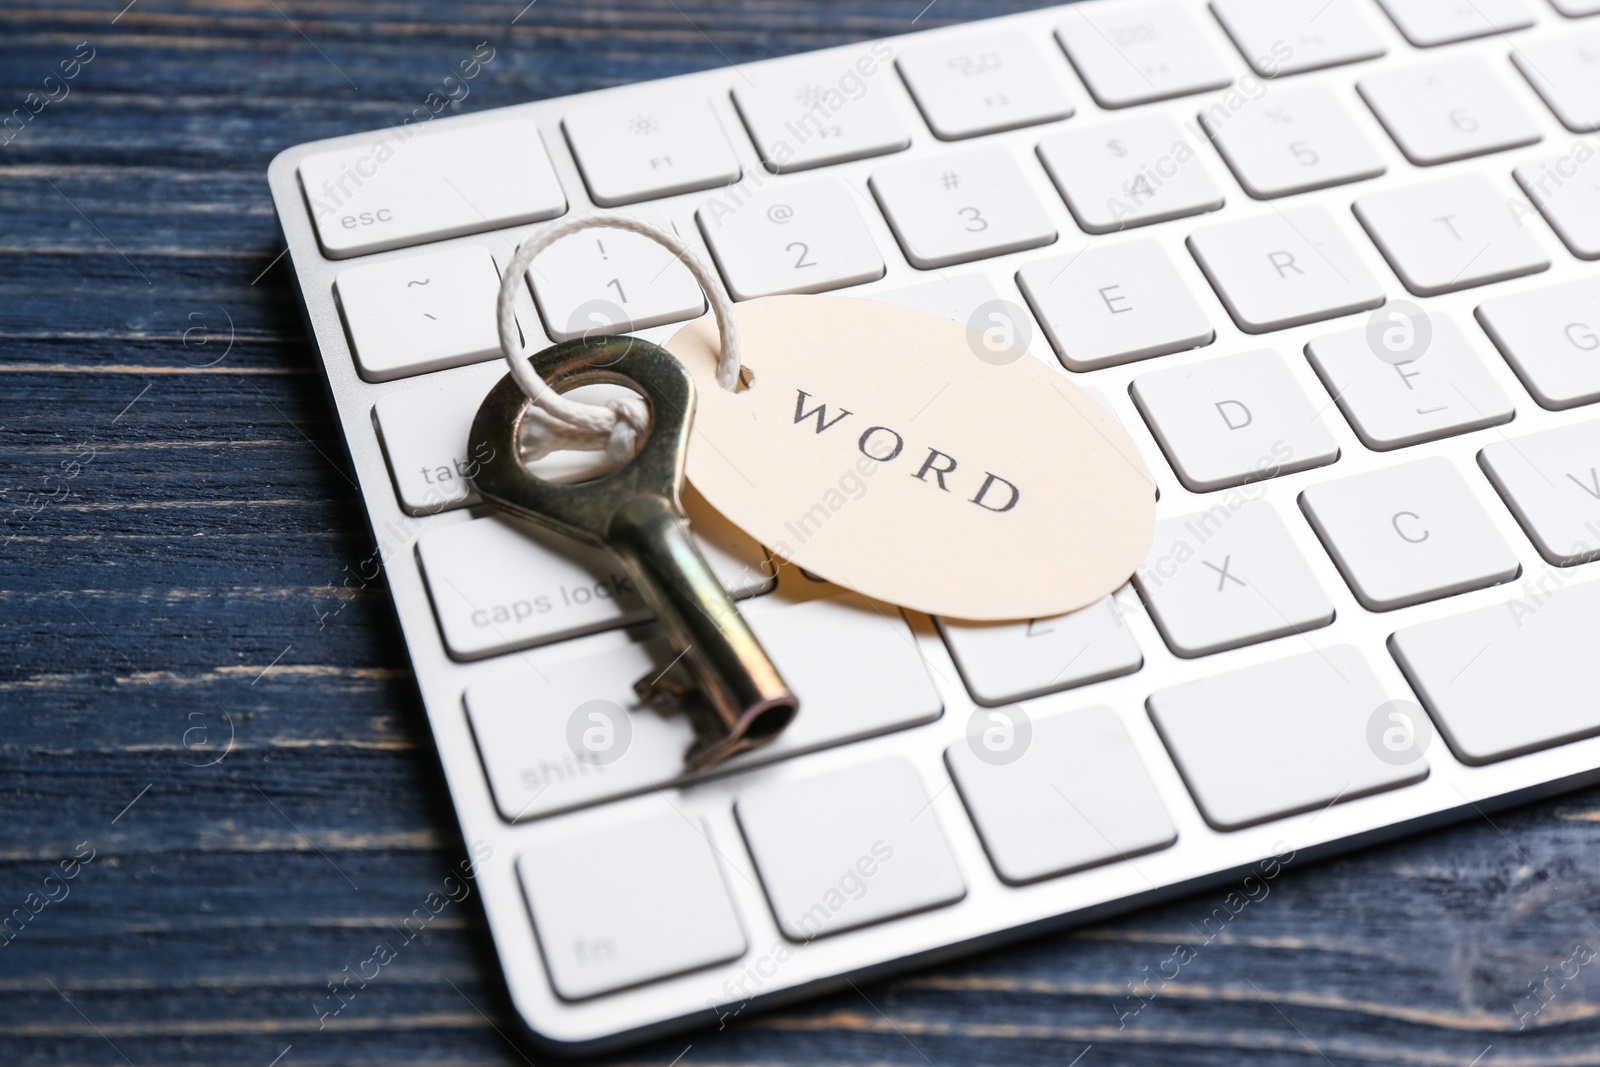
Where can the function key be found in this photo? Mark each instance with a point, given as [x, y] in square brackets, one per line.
[1280, 37]
[1428, 22]
[624, 903]
[817, 113]
[1133, 54]
[406, 187]
[649, 146]
[982, 84]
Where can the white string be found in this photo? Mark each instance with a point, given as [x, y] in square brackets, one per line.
[619, 427]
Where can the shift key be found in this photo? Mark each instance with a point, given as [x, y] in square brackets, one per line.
[500, 584]
[404, 187]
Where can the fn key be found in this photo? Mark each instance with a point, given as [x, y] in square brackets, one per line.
[627, 904]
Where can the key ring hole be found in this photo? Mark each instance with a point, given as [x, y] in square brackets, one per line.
[571, 466]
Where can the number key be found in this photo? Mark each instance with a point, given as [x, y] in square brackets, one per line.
[612, 281]
[1447, 111]
[1292, 140]
[801, 237]
[961, 207]
[1128, 173]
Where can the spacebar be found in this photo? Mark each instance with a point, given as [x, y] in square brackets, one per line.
[1512, 678]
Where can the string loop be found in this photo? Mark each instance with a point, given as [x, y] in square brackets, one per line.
[617, 428]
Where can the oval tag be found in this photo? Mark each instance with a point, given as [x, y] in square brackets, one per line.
[876, 449]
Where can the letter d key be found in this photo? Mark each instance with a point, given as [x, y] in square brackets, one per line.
[635, 513]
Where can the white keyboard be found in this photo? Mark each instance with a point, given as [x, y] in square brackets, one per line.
[1229, 222]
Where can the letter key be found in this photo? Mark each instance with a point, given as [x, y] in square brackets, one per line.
[635, 512]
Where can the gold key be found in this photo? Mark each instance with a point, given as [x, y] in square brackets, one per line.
[721, 677]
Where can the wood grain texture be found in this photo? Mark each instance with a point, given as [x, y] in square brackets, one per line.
[185, 582]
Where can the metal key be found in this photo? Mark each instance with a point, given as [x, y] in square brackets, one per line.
[635, 512]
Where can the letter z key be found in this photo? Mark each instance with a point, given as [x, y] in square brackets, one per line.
[636, 513]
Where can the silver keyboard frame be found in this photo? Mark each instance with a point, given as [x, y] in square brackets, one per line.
[992, 912]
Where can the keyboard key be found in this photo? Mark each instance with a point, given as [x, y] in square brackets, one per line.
[407, 187]
[1566, 189]
[1285, 269]
[809, 115]
[1114, 304]
[631, 902]
[654, 145]
[1577, 8]
[1077, 797]
[854, 665]
[1280, 738]
[1551, 483]
[499, 584]
[1132, 172]
[1224, 578]
[424, 433]
[798, 237]
[1427, 23]
[1500, 683]
[957, 208]
[1406, 534]
[983, 83]
[1134, 53]
[1448, 110]
[1011, 661]
[422, 313]
[1280, 37]
[1392, 402]
[1449, 234]
[1550, 337]
[1295, 139]
[1566, 72]
[611, 281]
[847, 849]
[1231, 420]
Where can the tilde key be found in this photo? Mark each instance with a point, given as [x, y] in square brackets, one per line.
[635, 512]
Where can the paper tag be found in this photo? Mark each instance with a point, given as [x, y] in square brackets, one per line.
[893, 453]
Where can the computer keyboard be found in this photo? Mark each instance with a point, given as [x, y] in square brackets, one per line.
[1234, 224]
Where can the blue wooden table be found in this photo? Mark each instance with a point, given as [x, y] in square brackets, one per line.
[216, 785]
